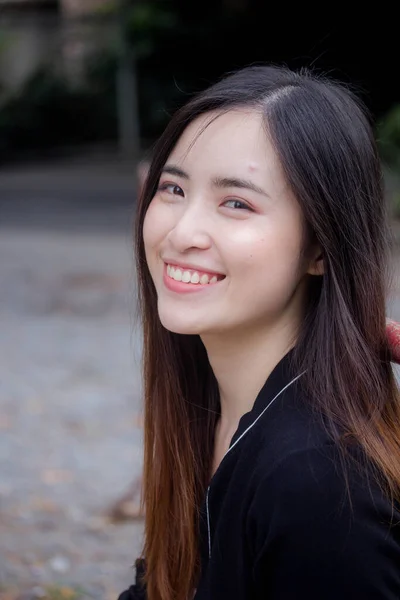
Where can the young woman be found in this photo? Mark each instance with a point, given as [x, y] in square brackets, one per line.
[272, 417]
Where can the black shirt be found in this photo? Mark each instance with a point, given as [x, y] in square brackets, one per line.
[277, 522]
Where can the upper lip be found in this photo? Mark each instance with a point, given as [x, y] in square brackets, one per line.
[192, 266]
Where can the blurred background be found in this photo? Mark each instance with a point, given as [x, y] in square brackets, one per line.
[86, 86]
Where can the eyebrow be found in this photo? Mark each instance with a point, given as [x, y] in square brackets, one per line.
[173, 170]
[245, 184]
[220, 182]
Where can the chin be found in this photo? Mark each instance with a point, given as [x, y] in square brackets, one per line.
[181, 326]
[183, 329]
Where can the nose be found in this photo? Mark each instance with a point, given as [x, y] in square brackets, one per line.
[191, 230]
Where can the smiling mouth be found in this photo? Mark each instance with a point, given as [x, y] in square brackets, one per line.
[190, 276]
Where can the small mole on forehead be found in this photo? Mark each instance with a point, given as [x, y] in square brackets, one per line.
[252, 167]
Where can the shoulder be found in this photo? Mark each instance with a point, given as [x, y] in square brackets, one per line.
[315, 492]
[322, 475]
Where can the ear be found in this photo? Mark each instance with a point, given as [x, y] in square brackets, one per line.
[316, 266]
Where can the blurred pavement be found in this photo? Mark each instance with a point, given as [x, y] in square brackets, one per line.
[70, 401]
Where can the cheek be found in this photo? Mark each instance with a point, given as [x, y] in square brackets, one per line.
[147, 231]
[155, 225]
[271, 264]
[270, 246]
[149, 227]
[151, 237]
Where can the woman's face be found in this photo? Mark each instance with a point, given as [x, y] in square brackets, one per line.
[225, 220]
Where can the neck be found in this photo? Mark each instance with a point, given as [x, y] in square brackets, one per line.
[242, 362]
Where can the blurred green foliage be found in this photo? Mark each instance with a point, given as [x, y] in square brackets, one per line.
[145, 23]
[388, 135]
[47, 113]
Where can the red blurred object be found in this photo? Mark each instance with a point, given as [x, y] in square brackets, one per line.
[393, 335]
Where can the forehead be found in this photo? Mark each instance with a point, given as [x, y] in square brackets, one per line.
[235, 140]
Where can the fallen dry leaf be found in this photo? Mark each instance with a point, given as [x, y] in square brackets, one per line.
[5, 424]
[45, 505]
[54, 476]
[61, 593]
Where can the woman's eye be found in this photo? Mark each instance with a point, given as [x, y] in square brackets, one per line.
[238, 204]
[171, 188]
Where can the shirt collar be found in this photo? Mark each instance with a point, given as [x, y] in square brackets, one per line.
[280, 378]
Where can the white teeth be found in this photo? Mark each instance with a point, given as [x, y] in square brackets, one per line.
[186, 277]
[177, 275]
